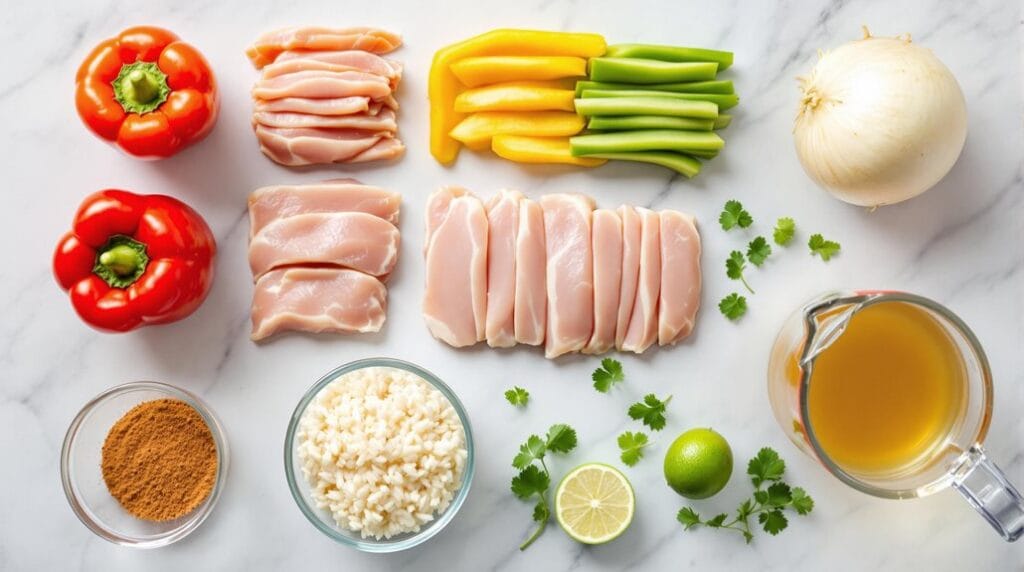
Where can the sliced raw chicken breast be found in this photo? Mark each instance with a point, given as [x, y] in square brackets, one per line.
[455, 293]
[353, 240]
[300, 60]
[606, 244]
[310, 146]
[268, 204]
[643, 324]
[330, 106]
[503, 225]
[530, 308]
[317, 300]
[630, 271]
[384, 121]
[387, 149]
[679, 298]
[322, 84]
[270, 45]
[570, 272]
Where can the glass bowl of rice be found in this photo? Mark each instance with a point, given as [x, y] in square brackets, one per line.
[379, 455]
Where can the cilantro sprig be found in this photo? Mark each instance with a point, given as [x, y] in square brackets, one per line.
[733, 306]
[784, 230]
[768, 504]
[607, 375]
[632, 446]
[650, 411]
[733, 215]
[534, 479]
[734, 267]
[517, 396]
[758, 250]
[826, 249]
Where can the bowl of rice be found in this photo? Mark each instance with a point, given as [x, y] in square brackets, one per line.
[379, 455]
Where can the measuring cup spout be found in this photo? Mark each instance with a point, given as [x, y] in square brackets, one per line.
[826, 320]
[986, 488]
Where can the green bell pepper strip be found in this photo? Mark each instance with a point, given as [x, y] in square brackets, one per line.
[670, 54]
[646, 106]
[645, 140]
[634, 122]
[724, 86]
[683, 164]
[723, 101]
[722, 121]
[633, 70]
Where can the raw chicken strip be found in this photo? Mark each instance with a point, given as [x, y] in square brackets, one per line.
[384, 121]
[607, 254]
[298, 60]
[269, 45]
[317, 300]
[310, 146]
[570, 272]
[680, 277]
[322, 84]
[268, 204]
[503, 224]
[354, 240]
[643, 324]
[530, 312]
[329, 106]
[386, 149]
[630, 271]
[455, 294]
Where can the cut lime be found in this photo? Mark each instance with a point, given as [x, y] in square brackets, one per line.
[594, 503]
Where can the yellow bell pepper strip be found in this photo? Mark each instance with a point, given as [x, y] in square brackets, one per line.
[722, 100]
[516, 96]
[633, 70]
[443, 86]
[722, 121]
[683, 164]
[723, 86]
[526, 149]
[633, 122]
[646, 140]
[474, 72]
[647, 106]
[476, 130]
[671, 54]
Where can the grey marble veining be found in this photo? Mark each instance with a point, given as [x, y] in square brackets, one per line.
[961, 243]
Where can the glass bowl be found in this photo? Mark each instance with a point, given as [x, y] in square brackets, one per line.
[321, 519]
[82, 476]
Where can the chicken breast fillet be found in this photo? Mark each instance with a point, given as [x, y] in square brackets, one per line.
[353, 240]
[310, 145]
[269, 46]
[630, 271]
[679, 298]
[268, 204]
[455, 293]
[317, 300]
[322, 84]
[643, 324]
[530, 308]
[570, 272]
[606, 247]
[503, 225]
[385, 121]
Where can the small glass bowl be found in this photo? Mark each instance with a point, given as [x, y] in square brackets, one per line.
[321, 519]
[82, 476]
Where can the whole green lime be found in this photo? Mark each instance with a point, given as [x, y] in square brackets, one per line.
[698, 464]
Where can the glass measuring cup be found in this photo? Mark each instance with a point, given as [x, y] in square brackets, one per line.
[959, 461]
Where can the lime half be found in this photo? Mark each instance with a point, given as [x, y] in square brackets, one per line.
[594, 503]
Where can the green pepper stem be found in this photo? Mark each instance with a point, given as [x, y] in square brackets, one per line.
[143, 88]
[121, 261]
[140, 87]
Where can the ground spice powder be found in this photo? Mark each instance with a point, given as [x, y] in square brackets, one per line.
[159, 460]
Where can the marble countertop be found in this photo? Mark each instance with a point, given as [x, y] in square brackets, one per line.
[961, 244]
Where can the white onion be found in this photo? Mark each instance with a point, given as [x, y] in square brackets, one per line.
[881, 120]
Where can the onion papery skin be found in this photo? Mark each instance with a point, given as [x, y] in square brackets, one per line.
[881, 120]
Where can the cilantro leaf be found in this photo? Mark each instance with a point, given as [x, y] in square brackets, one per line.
[650, 411]
[758, 251]
[773, 521]
[517, 396]
[530, 481]
[733, 306]
[632, 446]
[779, 494]
[802, 503]
[561, 438]
[532, 450]
[766, 466]
[607, 375]
[733, 214]
[784, 230]
[734, 267]
[826, 249]
[688, 517]
[717, 521]
[541, 512]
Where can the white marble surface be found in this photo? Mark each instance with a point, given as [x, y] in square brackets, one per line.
[961, 244]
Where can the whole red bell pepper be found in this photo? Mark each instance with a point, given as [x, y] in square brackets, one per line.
[147, 92]
[135, 260]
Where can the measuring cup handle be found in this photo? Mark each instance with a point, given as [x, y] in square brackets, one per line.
[985, 486]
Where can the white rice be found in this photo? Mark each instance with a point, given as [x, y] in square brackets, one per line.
[383, 451]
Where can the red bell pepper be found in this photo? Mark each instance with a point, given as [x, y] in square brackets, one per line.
[147, 92]
[135, 260]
